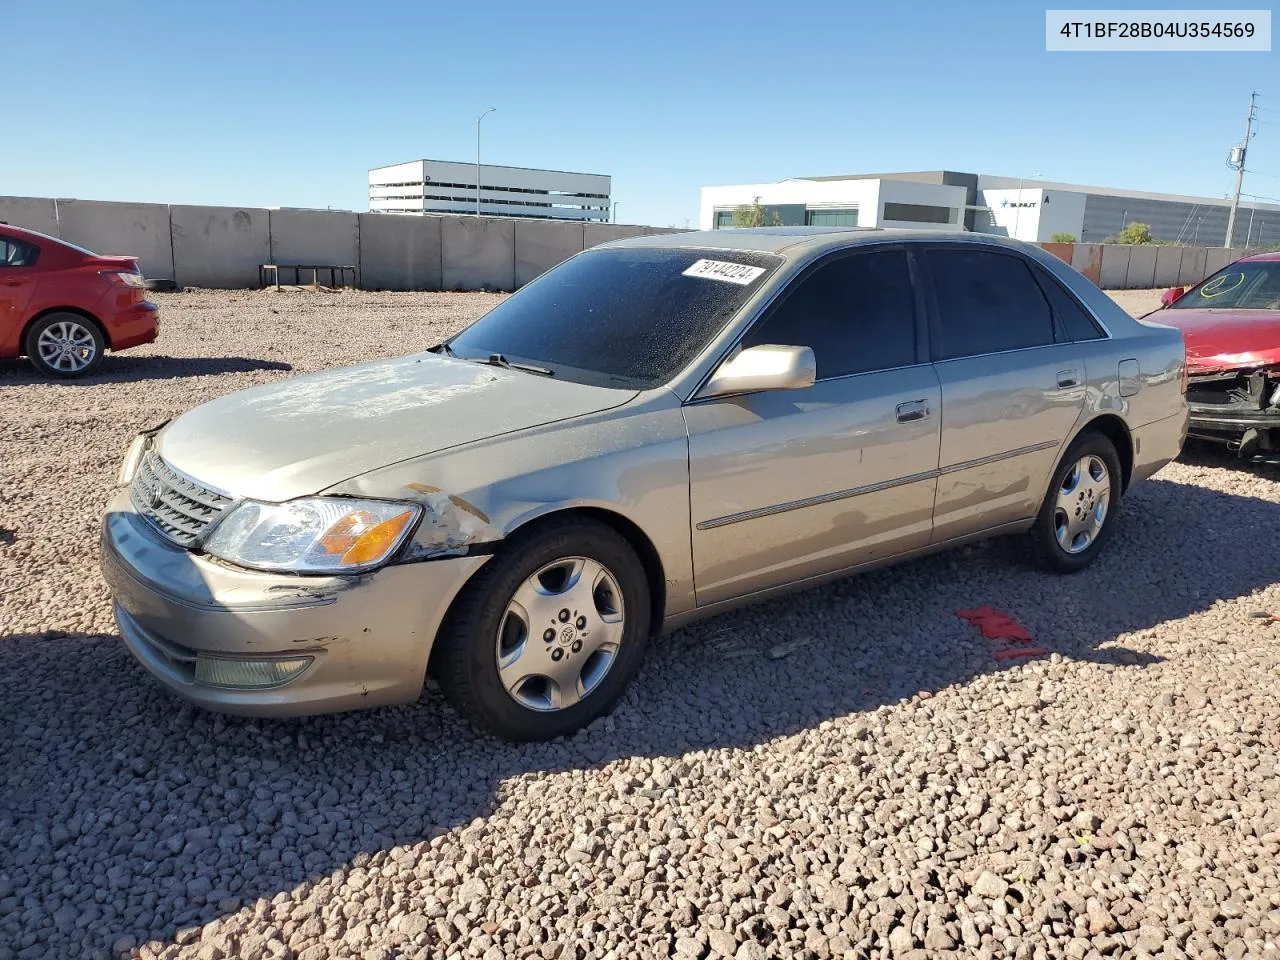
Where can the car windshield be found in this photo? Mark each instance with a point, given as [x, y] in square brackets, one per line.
[1241, 286]
[632, 316]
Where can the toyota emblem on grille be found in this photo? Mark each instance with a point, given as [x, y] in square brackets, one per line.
[156, 497]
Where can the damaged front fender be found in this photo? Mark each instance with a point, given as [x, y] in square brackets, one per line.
[450, 527]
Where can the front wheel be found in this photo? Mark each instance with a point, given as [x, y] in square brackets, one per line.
[1079, 510]
[548, 635]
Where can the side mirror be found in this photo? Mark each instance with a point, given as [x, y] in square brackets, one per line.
[766, 367]
[1170, 295]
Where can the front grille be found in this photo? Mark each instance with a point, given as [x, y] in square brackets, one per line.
[180, 508]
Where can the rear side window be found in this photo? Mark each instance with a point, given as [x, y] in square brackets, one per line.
[1072, 319]
[17, 253]
[987, 303]
[857, 313]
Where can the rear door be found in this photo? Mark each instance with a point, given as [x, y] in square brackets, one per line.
[792, 484]
[1012, 389]
[17, 282]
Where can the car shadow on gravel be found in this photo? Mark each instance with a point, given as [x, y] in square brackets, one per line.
[131, 369]
[153, 816]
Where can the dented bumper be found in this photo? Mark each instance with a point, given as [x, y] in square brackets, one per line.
[1236, 407]
[355, 642]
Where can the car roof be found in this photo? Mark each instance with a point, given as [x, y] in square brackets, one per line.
[1272, 255]
[792, 241]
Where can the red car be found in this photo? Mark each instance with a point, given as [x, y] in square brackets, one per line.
[63, 307]
[1230, 323]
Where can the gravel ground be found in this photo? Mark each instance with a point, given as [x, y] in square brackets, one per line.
[846, 773]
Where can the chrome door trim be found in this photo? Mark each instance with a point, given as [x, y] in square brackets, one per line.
[996, 457]
[815, 501]
[790, 505]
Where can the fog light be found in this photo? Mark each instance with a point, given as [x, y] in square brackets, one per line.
[248, 674]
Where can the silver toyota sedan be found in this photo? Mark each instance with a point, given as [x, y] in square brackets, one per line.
[654, 431]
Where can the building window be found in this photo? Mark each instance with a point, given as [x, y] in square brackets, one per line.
[724, 218]
[919, 213]
[832, 217]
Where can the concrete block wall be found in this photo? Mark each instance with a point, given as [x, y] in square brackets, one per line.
[223, 247]
[219, 246]
[138, 229]
[400, 253]
[1114, 266]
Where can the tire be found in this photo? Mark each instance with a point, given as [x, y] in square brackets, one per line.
[1067, 534]
[568, 652]
[65, 345]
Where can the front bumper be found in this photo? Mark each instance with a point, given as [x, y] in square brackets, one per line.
[369, 636]
[1210, 422]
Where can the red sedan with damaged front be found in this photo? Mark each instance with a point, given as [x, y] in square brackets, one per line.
[1230, 324]
[63, 307]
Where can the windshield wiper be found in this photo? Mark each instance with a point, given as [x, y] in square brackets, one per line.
[498, 360]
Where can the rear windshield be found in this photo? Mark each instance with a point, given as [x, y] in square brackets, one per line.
[1241, 286]
[630, 317]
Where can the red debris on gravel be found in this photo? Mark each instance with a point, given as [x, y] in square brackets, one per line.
[1011, 637]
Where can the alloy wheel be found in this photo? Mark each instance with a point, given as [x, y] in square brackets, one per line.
[1081, 507]
[66, 346]
[560, 634]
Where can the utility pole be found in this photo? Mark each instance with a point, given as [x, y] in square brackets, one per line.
[478, 119]
[1237, 161]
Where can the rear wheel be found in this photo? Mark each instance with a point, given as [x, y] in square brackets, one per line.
[65, 345]
[548, 635]
[1079, 509]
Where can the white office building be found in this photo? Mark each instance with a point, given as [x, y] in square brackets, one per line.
[442, 187]
[1034, 210]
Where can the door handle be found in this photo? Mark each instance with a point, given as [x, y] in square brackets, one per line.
[12, 282]
[1068, 378]
[913, 410]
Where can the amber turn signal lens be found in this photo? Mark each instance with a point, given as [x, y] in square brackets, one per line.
[374, 543]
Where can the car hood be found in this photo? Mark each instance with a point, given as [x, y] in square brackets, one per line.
[1225, 339]
[305, 434]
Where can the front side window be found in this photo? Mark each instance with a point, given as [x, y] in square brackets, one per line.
[1241, 286]
[17, 253]
[987, 302]
[857, 313]
[631, 316]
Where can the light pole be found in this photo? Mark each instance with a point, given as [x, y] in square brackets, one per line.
[1017, 212]
[478, 119]
[1124, 218]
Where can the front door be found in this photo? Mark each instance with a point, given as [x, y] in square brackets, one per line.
[1011, 393]
[787, 485]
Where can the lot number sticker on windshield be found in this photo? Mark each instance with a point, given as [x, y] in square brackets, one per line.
[739, 273]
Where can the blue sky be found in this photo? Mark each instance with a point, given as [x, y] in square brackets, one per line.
[281, 104]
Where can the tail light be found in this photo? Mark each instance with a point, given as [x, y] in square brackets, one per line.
[124, 277]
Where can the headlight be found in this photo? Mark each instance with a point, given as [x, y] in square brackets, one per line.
[313, 535]
[132, 457]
